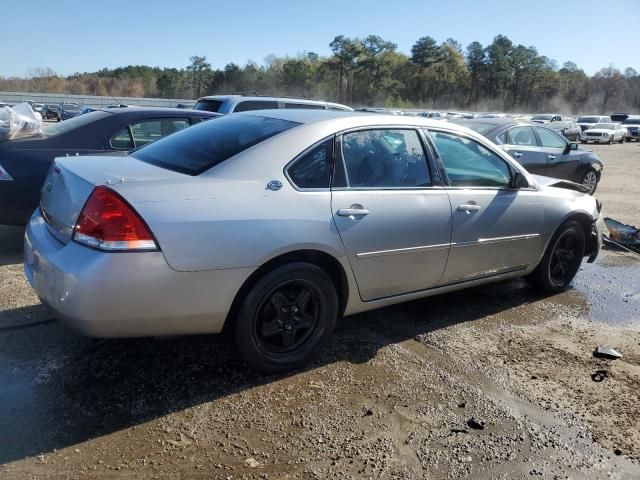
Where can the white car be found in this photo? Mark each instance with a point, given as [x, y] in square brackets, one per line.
[588, 121]
[604, 133]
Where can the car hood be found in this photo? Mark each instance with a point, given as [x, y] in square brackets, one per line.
[559, 183]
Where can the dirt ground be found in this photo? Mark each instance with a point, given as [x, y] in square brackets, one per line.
[391, 397]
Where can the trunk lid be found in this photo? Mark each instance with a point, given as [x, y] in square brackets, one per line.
[71, 180]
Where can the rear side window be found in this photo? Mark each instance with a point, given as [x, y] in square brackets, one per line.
[249, 105]
[313, 169]
[308, 106]
[122, 140]
[197, 149]
[385, 159]
[151, 130]
[208, 105]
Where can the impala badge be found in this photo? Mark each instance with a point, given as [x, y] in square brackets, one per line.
[274, 185]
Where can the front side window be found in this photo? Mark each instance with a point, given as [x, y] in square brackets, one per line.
[151, 130]
[249, 105]
[385, 159]
[313, 169]
[205, 145]
[550, 139]
[469, 164]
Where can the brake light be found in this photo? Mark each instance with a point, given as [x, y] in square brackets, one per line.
[108, 222]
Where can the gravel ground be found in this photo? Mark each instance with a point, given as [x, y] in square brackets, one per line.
[391, 397]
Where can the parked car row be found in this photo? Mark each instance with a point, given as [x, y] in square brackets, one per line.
[273, 224]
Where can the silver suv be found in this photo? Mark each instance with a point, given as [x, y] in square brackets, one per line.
[242, 103]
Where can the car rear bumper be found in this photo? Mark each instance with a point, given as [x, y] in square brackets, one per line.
[128, 294]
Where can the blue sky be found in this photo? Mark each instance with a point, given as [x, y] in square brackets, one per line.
[88, 35]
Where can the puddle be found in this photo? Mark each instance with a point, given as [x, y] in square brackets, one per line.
[612, 287]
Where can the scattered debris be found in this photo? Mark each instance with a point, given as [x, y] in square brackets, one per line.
[617, 451]
[626, 235]
[183, 442]
[606, 352]
[459, 430]
[599, 376]
[366, 411]
[252, 463]
[462, 404]
[476, 424]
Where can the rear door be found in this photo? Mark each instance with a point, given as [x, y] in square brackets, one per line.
[522, 144]
[495, 228]
[392, 213]
[562, 162]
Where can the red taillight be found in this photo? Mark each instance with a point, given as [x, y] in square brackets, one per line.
[108, 222]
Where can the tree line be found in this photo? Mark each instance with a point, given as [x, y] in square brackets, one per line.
[372, 72]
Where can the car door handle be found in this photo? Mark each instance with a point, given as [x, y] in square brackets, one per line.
[517, 154]
[551, 157]
[353, 211]
[469, 207]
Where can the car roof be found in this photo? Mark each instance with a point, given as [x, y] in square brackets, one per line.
[351, 119]
[244, 98]
[160, 110]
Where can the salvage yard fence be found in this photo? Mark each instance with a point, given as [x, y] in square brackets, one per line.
[95, 101]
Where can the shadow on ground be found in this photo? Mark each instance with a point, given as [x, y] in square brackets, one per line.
[58, 389]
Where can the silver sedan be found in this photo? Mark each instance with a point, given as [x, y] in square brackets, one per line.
[276, 223]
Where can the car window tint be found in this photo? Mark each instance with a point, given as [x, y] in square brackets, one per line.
[312, 106]
[521, 136]
[313, 169]
[198, 148]
[121, 140]
[469, 164]
[385, 158]
[255, 105]
[550, 139]
[151, 130]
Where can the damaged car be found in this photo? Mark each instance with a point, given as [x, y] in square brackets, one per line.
[272, 225]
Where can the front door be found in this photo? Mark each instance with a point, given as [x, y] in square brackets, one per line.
[562, 162]
[495, 228]
[393, 217]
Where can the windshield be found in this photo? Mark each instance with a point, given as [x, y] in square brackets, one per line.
[73, 123]
[70, 106]
[208, 105]
[197, 149]
[605, 126]
[632, 121]
[542, 117]
[588, 119]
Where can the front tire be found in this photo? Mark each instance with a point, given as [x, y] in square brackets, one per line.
[562, 259]
[286, 318]
[590, 180]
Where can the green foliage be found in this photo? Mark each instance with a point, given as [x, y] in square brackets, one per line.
[371, 72]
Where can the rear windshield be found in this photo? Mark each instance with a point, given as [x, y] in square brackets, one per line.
[73, 123]
[197, 149]
[208, 105]
[479, 127]
[632, 121]
[588, 119]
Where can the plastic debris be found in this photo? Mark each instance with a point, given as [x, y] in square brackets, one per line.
[599, 376]
[19, 121]
[626, 235]
[252, 463]
[606, 352]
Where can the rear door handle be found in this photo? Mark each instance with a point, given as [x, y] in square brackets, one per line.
[551, 157]
[517, 154]
[353, 211]
[469, 207]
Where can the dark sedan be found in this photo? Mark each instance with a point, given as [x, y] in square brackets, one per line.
[541, 150]
[24, 163]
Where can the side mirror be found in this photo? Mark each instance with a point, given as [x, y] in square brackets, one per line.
[519, 181]
[573, 146]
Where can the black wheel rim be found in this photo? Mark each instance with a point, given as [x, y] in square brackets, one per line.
[565, 259]
[288, 317]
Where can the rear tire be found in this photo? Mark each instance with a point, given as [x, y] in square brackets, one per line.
[562, 259]
[590, 179]
[286, 318]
